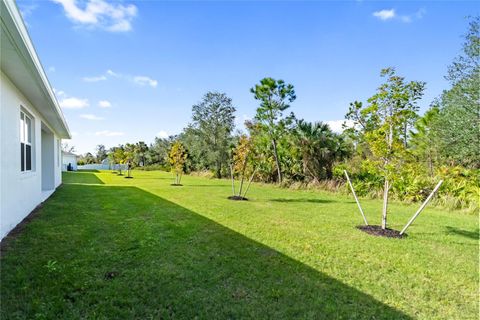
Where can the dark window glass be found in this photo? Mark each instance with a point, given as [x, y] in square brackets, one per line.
[22, 156]
[28, 151]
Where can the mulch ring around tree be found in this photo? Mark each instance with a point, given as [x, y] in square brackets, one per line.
[237, 198]
[128, 177]
[176, 185]
[379, 232]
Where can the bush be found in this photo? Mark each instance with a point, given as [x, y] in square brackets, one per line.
[204, 174]
[460, 189]
[154, 167]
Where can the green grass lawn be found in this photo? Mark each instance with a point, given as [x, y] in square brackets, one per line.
[105, 247]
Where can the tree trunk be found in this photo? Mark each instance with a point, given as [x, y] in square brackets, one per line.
[277, 161]
[233, 180]
[385, 204]
[328, 170]
[430, 165]
[218, 172]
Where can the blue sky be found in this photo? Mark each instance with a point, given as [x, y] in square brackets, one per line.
[129, 71]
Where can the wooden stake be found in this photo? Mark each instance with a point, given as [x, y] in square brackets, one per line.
[356, 199]
[421, 207]
[249, 182]
[233, 181]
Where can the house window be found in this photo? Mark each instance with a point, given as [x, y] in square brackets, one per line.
[25, 142]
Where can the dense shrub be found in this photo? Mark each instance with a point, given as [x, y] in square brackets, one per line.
[460, 189]
[154, 167]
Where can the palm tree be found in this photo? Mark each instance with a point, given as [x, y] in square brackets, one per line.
[320, 148]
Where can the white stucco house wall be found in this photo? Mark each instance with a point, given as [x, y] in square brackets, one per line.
[69, 158]
[31, 124]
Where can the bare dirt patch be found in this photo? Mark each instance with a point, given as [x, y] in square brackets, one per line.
[379, 232]
[237, 198]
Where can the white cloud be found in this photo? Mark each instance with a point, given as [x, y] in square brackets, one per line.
[143, 81]
[72, 102]
[90, 117]
[111, 73]
[139, 80]
[112, 17]
[104, 104]
[51, 69]
[94, 79]
[337, 125]
[385, 14]
[391, 14]
[162, 134]
[108, 133]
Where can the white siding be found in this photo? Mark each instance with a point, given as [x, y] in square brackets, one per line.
[20, 192]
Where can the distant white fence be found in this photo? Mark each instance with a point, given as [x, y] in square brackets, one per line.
[100, 166]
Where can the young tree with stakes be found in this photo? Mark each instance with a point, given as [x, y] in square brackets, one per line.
[382, 123]
[119, 158]
[177, 158]
[243, 166]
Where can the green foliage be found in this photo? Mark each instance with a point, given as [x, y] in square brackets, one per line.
[458, 124]
[177, 157]
[155, 167]
[319, 149]
[425, 141]
[275, 97]
[101, 153]
[139, 154]
[119, 157]
[244, 162]
[209, 136]
[87, 158]
[383, 125]
[157, 154]
[414, 182]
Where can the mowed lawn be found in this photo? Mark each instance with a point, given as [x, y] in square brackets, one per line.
[106, 247]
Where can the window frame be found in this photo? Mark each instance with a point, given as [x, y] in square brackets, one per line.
[26, 140]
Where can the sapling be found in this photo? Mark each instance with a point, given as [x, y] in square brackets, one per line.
[177, 157]
[381, 124]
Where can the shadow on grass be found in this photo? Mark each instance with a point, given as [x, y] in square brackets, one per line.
[465, 233]
[288, 200]
[80, 177]
[88, 170]
[121, 252]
